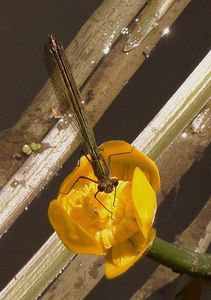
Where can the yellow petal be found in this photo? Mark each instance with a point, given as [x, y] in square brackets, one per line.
[144, 200]
[141, 243]
[121, 257]
[123, 160]
[72, 234]
[84, 168]
[118, 233]
[126, 228]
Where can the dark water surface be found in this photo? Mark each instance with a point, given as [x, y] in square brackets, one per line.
[24, 26]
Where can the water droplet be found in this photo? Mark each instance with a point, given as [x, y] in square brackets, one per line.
[92, 62]
[14, 183]
[26, 208]
[166, 31]
[136, 19]
[125, 83]
[39, 295]
[82, 102]
[155, 24]
[184, 135]
[81, 265]
[146, 55]
[125, 31]
[63, 123]
[107, 49]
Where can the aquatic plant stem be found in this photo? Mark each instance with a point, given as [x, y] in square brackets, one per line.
[180, 260]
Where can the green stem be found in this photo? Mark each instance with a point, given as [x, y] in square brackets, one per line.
[179, 259]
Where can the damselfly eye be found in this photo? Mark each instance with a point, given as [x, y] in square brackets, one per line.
[115, 182]
[100, 188]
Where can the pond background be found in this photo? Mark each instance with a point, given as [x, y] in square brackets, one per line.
[24, 27]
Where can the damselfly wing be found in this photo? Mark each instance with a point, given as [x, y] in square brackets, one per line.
[70, 102]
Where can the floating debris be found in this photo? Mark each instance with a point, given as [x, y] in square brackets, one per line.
[26, 149]
[16, 182]
[16, 156]
[55, 112]
[63, 123]
[35, 146]
[89, 96]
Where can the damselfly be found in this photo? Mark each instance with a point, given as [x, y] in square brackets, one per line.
[69, 98]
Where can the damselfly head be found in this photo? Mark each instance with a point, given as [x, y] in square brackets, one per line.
[107, 185]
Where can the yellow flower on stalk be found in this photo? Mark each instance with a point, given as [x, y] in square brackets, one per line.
[116, 226]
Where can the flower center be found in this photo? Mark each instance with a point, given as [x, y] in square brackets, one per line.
[102, 217]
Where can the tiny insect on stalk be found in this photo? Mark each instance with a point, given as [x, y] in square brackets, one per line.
[70, 102]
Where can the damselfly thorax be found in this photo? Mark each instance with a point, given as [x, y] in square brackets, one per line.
[106, 183]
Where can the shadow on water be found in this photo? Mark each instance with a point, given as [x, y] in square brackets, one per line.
[182, 206]
[126, 285]
[164, 292]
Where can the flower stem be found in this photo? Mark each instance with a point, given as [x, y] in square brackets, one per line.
[179, 259]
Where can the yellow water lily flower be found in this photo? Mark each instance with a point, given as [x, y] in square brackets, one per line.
[116, 226]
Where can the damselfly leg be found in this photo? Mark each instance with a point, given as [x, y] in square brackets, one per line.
[100, 185]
